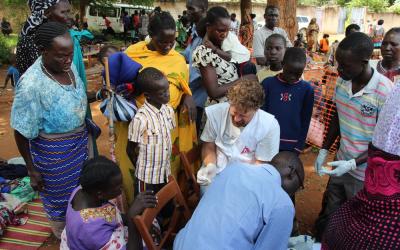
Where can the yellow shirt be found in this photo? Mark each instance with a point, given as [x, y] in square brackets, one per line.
[173, 65]
[266, 72]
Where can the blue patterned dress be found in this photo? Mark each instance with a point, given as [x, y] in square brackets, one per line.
[52, 117]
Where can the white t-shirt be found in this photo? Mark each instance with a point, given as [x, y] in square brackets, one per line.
[232, 45]
[261, 35]
[259, 140]
[235, 25]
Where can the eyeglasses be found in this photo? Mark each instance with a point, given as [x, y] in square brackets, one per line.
[298, 177]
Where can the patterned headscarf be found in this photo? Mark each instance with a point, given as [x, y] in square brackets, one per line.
[38, 7]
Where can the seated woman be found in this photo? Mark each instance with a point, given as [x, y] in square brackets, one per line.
[389, 66]
[93, 222]
[371, 219]
[218, 74]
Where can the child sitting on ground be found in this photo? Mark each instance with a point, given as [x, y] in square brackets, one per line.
[290, 99]
[149, 137]
[324, 44]
[275, 47]
[92, 221]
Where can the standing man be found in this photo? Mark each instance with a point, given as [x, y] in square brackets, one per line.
[359, 96]
[271, 21]
[127, 23]
[144, 23]
[196, 9]
[235, 25]
[109, 30]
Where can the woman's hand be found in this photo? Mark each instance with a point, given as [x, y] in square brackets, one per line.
[189, 105]
[36, 180]
[142, 201]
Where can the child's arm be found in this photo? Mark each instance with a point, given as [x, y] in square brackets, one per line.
[306, 114]
[224, 55]
[142, 201]
[132, 149]
[135, 133]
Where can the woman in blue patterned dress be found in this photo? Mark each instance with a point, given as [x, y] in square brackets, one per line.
[48, 116]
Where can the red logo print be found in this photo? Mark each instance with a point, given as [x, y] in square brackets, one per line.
[245, 150]
[286, 97]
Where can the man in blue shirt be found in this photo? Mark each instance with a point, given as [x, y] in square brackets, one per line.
[196, 10]
[246, 207]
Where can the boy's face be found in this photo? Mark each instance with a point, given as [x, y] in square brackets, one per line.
[160, 94]
[292, 71]
[350, 66]
[274, 51]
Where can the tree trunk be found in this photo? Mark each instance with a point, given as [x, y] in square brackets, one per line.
[245, 10]
[82, 6]
[287, 16]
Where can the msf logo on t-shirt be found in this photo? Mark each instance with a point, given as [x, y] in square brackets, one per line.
[286, 97]
[246, 150]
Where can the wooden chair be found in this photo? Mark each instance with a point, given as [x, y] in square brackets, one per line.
[143, 222]
[192, 192]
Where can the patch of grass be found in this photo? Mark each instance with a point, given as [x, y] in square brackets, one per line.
[7, 45]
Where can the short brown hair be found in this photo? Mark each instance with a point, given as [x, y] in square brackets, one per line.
[247, 94]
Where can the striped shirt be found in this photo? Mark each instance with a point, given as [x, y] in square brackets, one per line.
[358, 115]
[151, 129]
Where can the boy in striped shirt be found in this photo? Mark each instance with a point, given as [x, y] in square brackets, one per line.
[359, 96]
[149, 146]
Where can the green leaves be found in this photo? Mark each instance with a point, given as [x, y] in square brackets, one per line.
[372, 5]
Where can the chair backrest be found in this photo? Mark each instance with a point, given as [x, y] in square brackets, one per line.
[144, 222]
[189, 159]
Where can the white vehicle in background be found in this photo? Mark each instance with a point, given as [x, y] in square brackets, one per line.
[94, 14]
[302, 23]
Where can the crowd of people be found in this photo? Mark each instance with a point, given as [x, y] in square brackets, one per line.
[249, 117]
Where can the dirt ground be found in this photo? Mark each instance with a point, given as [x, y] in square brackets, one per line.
[308, 201]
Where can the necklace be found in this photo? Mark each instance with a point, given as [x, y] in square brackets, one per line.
[54, 79]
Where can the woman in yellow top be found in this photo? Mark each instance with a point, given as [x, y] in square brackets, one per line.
[159, 53]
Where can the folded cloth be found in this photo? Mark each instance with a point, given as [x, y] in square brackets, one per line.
[23, 191]
[17, 160]
[10, 201]
[13, 171]
[7, 217]
[122, 69]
